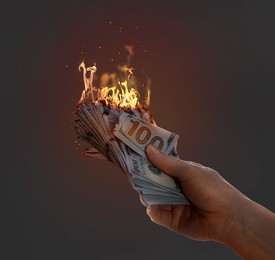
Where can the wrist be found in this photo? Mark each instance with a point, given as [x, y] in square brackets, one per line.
[249, 230]
[236, 220]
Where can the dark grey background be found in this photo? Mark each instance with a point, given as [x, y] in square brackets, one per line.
[212, 68]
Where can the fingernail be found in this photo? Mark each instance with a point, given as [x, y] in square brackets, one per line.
[153, 148]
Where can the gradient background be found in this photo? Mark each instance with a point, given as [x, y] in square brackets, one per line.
[212, 67]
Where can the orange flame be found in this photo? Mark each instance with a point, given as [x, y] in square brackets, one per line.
[113, 91]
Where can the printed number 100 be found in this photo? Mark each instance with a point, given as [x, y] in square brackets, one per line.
[143, 135]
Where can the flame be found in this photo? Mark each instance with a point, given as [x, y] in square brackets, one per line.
[113, 91]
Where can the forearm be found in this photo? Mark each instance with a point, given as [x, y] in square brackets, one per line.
[251, 233]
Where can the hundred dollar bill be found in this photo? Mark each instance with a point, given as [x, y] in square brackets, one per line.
[138, 134]
[95, 125]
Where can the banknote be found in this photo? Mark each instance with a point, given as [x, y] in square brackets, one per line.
[106, 130]
[138, 134]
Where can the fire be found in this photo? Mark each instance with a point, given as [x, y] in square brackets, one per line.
[118, 90]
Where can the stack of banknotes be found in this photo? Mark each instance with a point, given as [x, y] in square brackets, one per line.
[121, 135]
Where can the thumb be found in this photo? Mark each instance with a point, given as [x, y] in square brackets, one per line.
[172, 166]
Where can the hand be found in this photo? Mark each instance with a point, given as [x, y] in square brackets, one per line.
[211, 197]
[218, 211]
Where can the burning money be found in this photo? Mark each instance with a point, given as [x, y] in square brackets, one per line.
[117, 127]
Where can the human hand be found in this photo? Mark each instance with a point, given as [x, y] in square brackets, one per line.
[214, 200]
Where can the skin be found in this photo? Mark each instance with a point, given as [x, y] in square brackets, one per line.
[218, 211]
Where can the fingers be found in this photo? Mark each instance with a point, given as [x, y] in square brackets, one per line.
[169, 216]
[159, 215]
[171, 166]
[155, 212]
